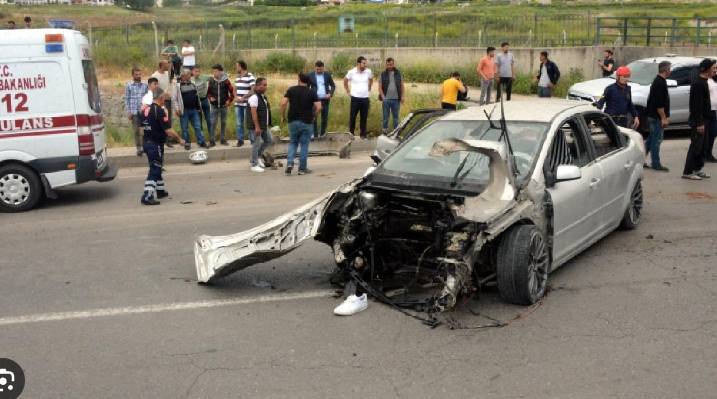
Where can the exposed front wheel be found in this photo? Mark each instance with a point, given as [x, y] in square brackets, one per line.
[633, 213]
[523, 264]
[20, 188]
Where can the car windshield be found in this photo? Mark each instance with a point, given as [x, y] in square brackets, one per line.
[641, 72]
[413, 157]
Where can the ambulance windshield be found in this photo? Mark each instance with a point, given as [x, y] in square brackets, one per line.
[93, 90]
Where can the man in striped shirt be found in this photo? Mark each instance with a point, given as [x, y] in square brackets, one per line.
[133, 93]
[244, 84]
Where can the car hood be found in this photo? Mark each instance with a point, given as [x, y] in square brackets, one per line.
[595, 88]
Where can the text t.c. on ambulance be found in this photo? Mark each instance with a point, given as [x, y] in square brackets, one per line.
[51, 128]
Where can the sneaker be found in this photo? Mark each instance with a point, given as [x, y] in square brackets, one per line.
[287, 171]
[703, 174]
[162, 194]
[139, 152]
[187, 146]
[711, 159]
[212, 143]
[257, 169]
[691, 176]
[224, 142]
[203, 145]
[661, 168]
[304, 171]
[240, 143]
[261, 163]
[646, 166]
[169, 145]
[352, 305]
[150, 202]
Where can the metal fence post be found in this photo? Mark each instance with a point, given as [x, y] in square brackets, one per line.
[672, 33]
[156, 39]
[698, 39]
[293, 34]
[624, 31]
[649, 31]
[435, 30]
[597, 30]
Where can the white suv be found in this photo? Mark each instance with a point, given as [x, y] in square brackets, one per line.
[684, 70]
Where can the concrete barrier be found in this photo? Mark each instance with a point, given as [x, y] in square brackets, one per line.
[336, 144]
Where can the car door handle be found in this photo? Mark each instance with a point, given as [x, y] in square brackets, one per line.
[594, 182]
[627, 165]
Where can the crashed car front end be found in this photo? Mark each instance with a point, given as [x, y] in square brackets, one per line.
[413, 248]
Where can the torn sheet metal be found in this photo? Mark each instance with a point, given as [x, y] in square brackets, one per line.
[222, 255]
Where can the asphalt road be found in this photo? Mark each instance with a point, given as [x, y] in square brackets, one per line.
[99, 301]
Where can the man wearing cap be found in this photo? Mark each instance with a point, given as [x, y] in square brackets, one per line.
[155, 123]
[617, 101]
[700, 117]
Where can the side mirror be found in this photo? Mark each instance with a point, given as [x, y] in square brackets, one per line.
[567, 172]
[671, 83]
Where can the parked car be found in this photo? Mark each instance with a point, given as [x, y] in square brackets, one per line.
[684, 70]
[464, 202]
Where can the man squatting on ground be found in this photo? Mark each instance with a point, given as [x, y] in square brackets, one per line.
[449, 91]
[155, 123]
[304, 105]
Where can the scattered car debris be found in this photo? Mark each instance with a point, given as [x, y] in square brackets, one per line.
[208, 203]
[186, 202]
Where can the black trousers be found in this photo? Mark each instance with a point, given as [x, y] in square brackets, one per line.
[448, 106]
[324, 119]
[359, 106]
[695, 154]
[504, 84]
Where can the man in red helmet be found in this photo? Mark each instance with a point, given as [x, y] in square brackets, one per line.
[617, 100]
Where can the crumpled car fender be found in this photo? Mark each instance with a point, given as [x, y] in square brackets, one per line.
[218, 256]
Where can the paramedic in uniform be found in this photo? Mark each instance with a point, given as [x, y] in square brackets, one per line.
[155, 122]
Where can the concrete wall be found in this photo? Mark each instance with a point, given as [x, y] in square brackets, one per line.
[584, 58]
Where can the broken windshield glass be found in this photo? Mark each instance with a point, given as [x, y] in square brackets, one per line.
[414, 157]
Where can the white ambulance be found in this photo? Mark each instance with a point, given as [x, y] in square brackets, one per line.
[51, 129]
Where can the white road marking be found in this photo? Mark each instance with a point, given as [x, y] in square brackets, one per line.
[109, 312]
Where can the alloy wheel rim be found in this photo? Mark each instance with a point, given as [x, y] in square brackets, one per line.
[538, 266]
[14, 189]
[636, 204]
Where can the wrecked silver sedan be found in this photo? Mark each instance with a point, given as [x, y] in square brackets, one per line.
[472, 199]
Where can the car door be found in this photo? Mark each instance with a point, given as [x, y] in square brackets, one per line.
[615, 161]
[576, 208]
[680, 95]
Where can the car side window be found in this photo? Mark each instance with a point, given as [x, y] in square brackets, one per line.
[603, 134]
[569, 147]
[683, 75]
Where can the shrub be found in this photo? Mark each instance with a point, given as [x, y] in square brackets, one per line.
[282, 62]
[341, 63]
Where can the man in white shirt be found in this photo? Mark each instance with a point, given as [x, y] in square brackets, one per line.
[189, 59]
[358, 82]
[506, 72]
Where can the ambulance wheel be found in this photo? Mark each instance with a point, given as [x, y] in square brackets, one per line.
[20, 188]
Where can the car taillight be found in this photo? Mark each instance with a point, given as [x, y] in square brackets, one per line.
[85, 139]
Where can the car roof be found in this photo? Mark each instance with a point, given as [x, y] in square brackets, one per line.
[534, 109]
[676, 61]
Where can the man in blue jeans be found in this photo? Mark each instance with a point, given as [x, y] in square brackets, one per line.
[658, 114]
[258, 121]
[188, 108]
[390, 91]
[304, 105]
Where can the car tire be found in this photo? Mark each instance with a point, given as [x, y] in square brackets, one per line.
[522, 265]
[20, 188]
[633, 213]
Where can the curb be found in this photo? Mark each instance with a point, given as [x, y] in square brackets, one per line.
[337, 144]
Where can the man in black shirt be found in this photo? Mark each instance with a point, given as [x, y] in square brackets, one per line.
[189, 109]
[607, 64]
[155, 123]
[304, 105]
[658, 114]
[700, 114]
